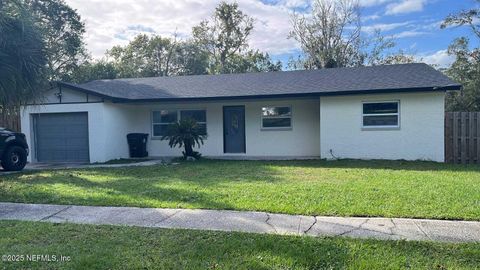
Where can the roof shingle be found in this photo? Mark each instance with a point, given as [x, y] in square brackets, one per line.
[337, 81]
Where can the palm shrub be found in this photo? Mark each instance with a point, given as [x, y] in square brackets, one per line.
[185, 133]
[22, 57]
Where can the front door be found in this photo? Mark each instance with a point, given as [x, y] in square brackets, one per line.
[234, 129]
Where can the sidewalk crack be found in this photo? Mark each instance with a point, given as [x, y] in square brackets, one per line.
[311, 226]
[394, 226]
[168, 217]
[421, 230]
[268, 219]
[355, 228]
[56, 213]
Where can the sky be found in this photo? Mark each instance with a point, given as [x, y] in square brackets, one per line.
[415, 24]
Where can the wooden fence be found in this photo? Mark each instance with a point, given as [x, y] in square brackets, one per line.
[462, 137]
[10, 120]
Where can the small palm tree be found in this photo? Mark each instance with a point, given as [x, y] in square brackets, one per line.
[186, 133]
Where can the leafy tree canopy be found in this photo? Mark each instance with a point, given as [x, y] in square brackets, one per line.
[466, 67]
[62, 33]
[330, 36]
[155, 56]
[22, 57]
[224, 36]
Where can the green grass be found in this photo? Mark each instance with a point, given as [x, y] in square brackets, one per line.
[110, 247]
[343, 188]
[124, 161]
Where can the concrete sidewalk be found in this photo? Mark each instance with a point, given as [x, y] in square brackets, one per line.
[248, 221]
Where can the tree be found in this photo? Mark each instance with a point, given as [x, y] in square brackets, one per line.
[218, 46]
[157, 56]
[22, 59]
[471, 18]
[379, 52]
[466, 67]
[191, 59]
[252, 61]
[185, 133]
[162, 52]
[95, 70]
[257, 61]
[465, 70]
[330, 35]
[62, 33]
[397, 58]
[224, 37]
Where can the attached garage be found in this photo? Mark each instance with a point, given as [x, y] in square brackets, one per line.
[61, 137]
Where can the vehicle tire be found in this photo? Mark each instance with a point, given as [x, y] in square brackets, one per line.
[14, 158]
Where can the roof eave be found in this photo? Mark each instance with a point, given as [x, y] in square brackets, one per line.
[312, 94]
[452, 87]
[90, 92]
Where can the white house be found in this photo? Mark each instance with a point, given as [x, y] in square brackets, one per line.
[381, 112]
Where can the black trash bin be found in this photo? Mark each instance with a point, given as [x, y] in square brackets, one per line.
[137, 144]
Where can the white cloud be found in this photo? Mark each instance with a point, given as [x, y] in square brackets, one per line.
[370, 3]
[370, 17]
[439, 58]
[383, 26]
[295, 3]
[115, 22]
[409, 33]
[405, 6]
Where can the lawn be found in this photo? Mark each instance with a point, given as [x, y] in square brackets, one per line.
[110, 247]
[342, 188]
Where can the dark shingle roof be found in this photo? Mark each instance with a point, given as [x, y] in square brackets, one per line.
[338, 81]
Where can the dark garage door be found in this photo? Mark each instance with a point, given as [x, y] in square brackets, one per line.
[61, 137]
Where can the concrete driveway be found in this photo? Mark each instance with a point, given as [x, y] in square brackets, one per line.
[59, 165]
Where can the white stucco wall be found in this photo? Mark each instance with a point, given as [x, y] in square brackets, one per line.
[109, 123]
[318, 125]
[52, 96]
[97, 132]
[420, 136]
[119, 120]
[301, 141]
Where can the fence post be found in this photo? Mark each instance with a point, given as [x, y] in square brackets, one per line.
[10, 119]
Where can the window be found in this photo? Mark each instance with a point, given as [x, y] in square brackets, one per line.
[198, 115]
[276, 117]
[162, 119]
[381, 114]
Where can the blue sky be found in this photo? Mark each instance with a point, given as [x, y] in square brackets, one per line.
[416, 31]
[413, 23]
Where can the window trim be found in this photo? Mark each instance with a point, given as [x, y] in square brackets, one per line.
[179, 117]
[178, 111]
[262, 128]
[152, 124]
[384, 127]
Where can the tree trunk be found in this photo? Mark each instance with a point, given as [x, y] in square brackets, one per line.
[188, 148]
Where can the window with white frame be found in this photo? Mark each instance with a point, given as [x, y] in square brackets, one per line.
[276, 117]
[383, 114]
[200, 116]
[163, 118]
